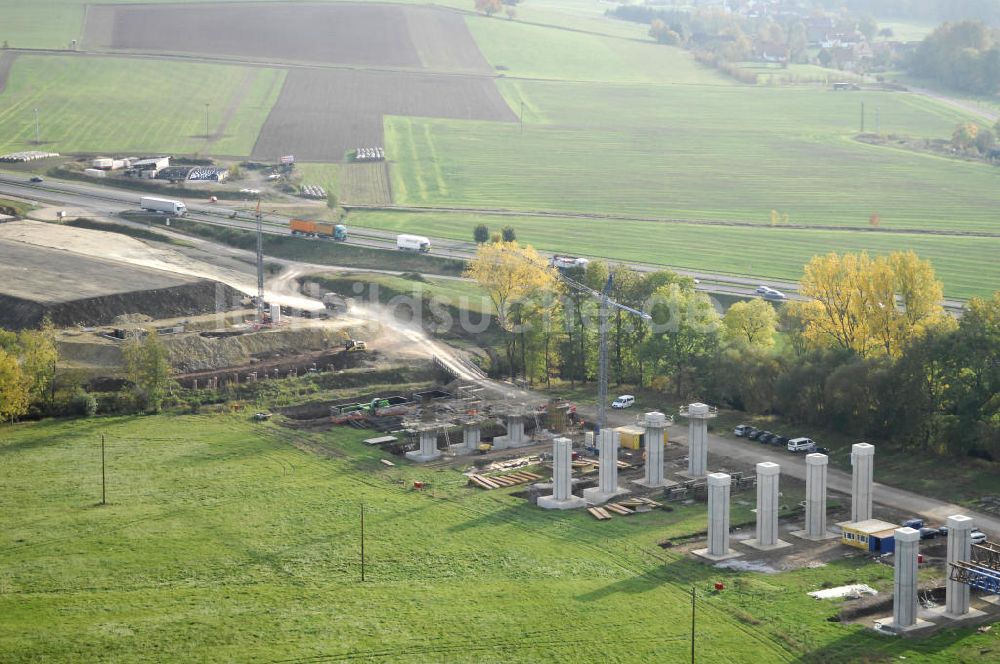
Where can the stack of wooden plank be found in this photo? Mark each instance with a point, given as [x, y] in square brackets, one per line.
[599, 513]
[639, 501]
[499, 481]
[623, 508]
[594, 463]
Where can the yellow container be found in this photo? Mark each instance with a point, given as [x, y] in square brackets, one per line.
[633, 437]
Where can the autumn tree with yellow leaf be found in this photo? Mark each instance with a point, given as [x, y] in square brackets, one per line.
[872, 306]
[511, 274]
[751, 323]
[15, 388]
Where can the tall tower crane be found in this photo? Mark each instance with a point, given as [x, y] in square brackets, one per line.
[602, 363]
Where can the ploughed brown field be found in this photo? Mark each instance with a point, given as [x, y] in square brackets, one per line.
[322, 114]
[371, 35]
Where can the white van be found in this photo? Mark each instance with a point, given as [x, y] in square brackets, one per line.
[624, 401]
[801, 445]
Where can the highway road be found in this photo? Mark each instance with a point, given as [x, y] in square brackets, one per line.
[108, 201]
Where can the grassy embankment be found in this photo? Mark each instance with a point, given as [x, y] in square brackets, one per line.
[323, 252]
[17, 208]
[224, 540]
[964, 264]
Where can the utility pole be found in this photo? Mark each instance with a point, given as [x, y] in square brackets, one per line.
[260, 265]
[692, 624]
[602, 359]
[362, 542]
[38, 140]
[104, 494]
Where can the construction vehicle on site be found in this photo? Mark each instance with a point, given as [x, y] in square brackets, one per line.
[355, 346]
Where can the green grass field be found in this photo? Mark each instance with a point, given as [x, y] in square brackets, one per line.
[534, 51]
[964, 264]
[322, 175]
[112, 105]
[614, 124]
[226, 541]
[677, 152]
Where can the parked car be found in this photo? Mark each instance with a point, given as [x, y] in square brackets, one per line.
[624, 401]
[754, 433]
[916, 524]
[822, 450]
[780, 441]
[742, 430]
[766, 437]
[977, 536]
[36, 178]
[801, 445]
[928, 533]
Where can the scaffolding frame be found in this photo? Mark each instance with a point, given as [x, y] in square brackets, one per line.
[982, 572]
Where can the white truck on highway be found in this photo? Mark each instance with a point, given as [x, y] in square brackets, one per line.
[568, 262]
[153, 204]
[413, 243]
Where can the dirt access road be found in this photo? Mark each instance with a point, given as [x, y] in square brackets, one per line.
[960, 104]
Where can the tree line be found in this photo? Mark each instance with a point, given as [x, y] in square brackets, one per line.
[30, 384]
[869, 352]
[963, 56]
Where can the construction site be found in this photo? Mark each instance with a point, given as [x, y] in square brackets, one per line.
[308, 365]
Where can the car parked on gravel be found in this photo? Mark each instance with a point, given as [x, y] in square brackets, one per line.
[780, 441]
[624, 401]
[754, 434]
[766, 437]
[928, 533]
[801, 445]
[977, 536]
[741, 430]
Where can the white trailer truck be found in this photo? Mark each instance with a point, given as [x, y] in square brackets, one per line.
[413, 243]
[166, 205]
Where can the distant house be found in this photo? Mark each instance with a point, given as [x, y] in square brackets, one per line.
[770, 52]
[155, 164]
[818, 30]
[851, 56]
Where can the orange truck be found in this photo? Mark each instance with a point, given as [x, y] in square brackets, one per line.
[318, 229]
